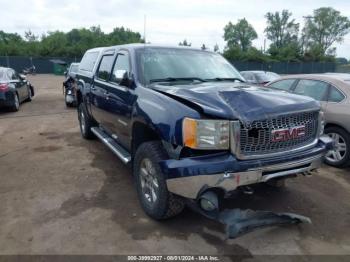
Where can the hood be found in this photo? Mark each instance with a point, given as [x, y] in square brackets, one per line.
[238, 100]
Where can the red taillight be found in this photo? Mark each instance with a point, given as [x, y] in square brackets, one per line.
[3, 87]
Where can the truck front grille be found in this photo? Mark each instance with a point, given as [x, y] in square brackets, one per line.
[259, 138]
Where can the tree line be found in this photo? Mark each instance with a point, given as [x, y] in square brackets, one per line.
[288, 42]
[59, 44]
[314, 42]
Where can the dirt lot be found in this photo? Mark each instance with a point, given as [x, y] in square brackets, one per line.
[60, 194]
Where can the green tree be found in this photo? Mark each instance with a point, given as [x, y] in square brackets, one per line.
[240, 35]
[184, 43]
[326, 27]
[281, 29]
[216, 48]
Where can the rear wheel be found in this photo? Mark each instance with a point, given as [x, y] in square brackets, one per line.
[340, 155]
[15, 106]
[153, 194]
[30, 95]
[85, 122]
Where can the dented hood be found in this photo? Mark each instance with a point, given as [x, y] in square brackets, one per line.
[238, 100]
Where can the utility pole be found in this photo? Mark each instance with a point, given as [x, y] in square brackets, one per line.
[144, 29]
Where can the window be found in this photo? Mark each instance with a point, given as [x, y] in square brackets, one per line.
[88, 61]
[248, 76]
[312, 88]
[335, 95]
[283, 84]
[121, 67]
[105, 67]
[14, 75]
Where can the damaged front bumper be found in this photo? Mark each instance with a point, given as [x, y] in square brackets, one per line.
[189, 177]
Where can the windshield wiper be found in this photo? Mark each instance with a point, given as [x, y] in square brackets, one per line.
[174, 79]
[226, 79]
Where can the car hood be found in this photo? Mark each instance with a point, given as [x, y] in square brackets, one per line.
[241, 101]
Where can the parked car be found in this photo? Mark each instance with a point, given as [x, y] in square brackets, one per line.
[189, 124]
[69, 85]
[259, 77]
[14, 89]
[333, 92]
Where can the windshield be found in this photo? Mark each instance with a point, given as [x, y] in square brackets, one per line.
[176, 63]
[266, 76]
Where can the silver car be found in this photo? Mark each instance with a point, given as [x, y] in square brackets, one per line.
[332, 90]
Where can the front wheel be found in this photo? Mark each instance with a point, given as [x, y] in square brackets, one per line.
[153, 194]
[340, 155]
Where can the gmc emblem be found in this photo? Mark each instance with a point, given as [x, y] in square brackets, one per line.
[285, 134]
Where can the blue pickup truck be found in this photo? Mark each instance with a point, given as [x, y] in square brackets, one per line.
[188, 124]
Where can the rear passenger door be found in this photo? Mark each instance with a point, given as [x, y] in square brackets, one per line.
[120, 100]
[316, 89]
[99, 90]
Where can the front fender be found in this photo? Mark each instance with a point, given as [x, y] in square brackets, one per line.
[162, 114]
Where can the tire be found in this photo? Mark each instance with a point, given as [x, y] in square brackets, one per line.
[85, 122]
[30, 95]
[162, 204]
[340, 156]
[15, 106]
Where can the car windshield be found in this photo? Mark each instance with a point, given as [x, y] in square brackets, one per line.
[266, 76]
[172, 64]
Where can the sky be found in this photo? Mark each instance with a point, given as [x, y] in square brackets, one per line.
[167, 22]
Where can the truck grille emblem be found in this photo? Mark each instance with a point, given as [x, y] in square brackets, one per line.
[285, 134]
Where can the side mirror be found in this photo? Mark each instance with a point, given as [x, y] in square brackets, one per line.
[122, 78]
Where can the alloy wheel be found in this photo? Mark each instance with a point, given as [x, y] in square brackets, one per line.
[339, 151]
[149, 181]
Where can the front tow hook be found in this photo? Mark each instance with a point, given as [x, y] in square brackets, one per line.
[238, 221]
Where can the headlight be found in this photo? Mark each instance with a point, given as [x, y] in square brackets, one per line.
[321, 123]
[205, 134]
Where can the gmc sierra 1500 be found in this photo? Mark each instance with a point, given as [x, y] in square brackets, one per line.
[190, 125]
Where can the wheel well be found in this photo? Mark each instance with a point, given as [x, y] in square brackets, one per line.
[79, 97]
[335, 125]
[142, 133]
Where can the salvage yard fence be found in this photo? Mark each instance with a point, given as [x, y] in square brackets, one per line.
[44, 65]
[287, 67]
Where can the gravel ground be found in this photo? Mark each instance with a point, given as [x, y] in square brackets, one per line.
[61, 194]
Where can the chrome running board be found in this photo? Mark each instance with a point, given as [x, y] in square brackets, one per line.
[118, 150]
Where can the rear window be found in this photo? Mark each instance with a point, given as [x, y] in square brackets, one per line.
[88, 61]
[4, 74]
[312, 88]
[74, 68]
[335, 95]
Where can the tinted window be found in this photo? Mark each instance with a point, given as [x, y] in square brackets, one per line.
[88, 61]
[14, 75]
[335, 95]
[121, 66]
[105, 67]
[312, 88]
[283, 84]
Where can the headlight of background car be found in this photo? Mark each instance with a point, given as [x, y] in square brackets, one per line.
[205, 134]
